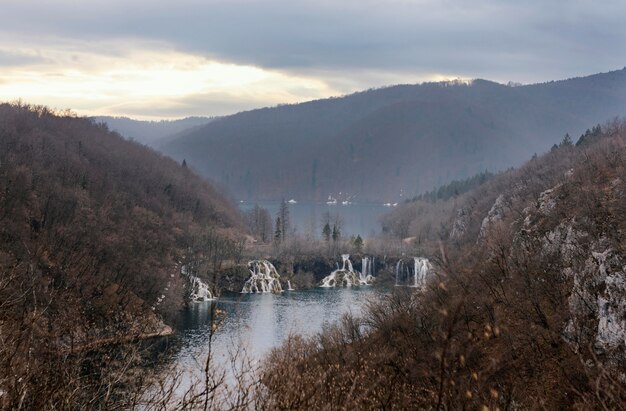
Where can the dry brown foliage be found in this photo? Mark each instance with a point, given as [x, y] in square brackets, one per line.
[489, 331]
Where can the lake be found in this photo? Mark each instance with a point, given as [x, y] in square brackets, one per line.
[308, 217]
[260, 322]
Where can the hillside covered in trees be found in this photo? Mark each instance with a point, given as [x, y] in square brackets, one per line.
[385, 144]
[93, 229]
[525, 308]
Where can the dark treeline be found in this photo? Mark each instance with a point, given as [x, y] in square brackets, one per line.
[92, 230]
[525, 309]
[454, 188]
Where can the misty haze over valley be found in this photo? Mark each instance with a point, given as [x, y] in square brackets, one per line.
[312, 205]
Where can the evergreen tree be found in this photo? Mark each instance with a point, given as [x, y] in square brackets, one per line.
[358, 244]
[283, 214]
[265, 225]
[336, 233]
[567, 141]
[278, 235]
[326, 232]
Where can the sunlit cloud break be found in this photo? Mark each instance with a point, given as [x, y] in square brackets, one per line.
[213, 57]
[145, 78]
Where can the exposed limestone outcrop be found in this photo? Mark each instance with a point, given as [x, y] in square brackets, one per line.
[597, 300]
[495, 214]
[461, 223]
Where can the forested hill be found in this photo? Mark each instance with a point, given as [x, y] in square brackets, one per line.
[151, 133]
[379, 144]
[92, 228]
[524, 309]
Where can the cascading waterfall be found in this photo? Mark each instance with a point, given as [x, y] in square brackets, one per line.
[289, 288]
[345, 276]
[398, 264]
[263, 278]
[199, 289]
[366, 276]
[403, 273]
[346, 262]
[365, 266]
[421, 269]
[414, 276]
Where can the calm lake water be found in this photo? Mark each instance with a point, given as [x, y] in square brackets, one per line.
[356, 218]
[260, 322]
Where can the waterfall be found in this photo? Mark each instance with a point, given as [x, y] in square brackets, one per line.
[345, 276]
[346, 261]
[398, 270]
[289, 286]
[364, 266]
[366, 277]
[415, 276]
[263, 278]
[199, 289]
[421, 268]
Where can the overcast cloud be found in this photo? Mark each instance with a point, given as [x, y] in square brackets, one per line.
[289, 51]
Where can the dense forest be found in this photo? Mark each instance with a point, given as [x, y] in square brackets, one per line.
[93, 229]
[454, 188]
[525, 310]
[388, 144]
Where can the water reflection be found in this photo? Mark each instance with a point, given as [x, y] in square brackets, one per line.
[260, 322]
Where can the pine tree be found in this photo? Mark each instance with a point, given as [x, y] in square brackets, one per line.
[278, 235]
[326, 232]
[283, 214]
[265, 225]
[358, 244]
[567, 141]
[336, 233]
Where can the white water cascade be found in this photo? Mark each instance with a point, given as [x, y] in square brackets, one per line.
[415, 277]
[263, 278]
[366, 275]
[421, 269]
[401, 272]
[199, 289]
[289, 288]
[345, 276]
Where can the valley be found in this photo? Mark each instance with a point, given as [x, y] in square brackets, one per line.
[389, 144]
[130, 281]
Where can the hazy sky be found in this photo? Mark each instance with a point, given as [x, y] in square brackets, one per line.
[167, 59]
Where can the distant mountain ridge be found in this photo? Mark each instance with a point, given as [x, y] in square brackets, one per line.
[152, 133]
[389, 143]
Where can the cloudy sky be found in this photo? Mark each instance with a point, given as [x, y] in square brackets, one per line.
[170, 59]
